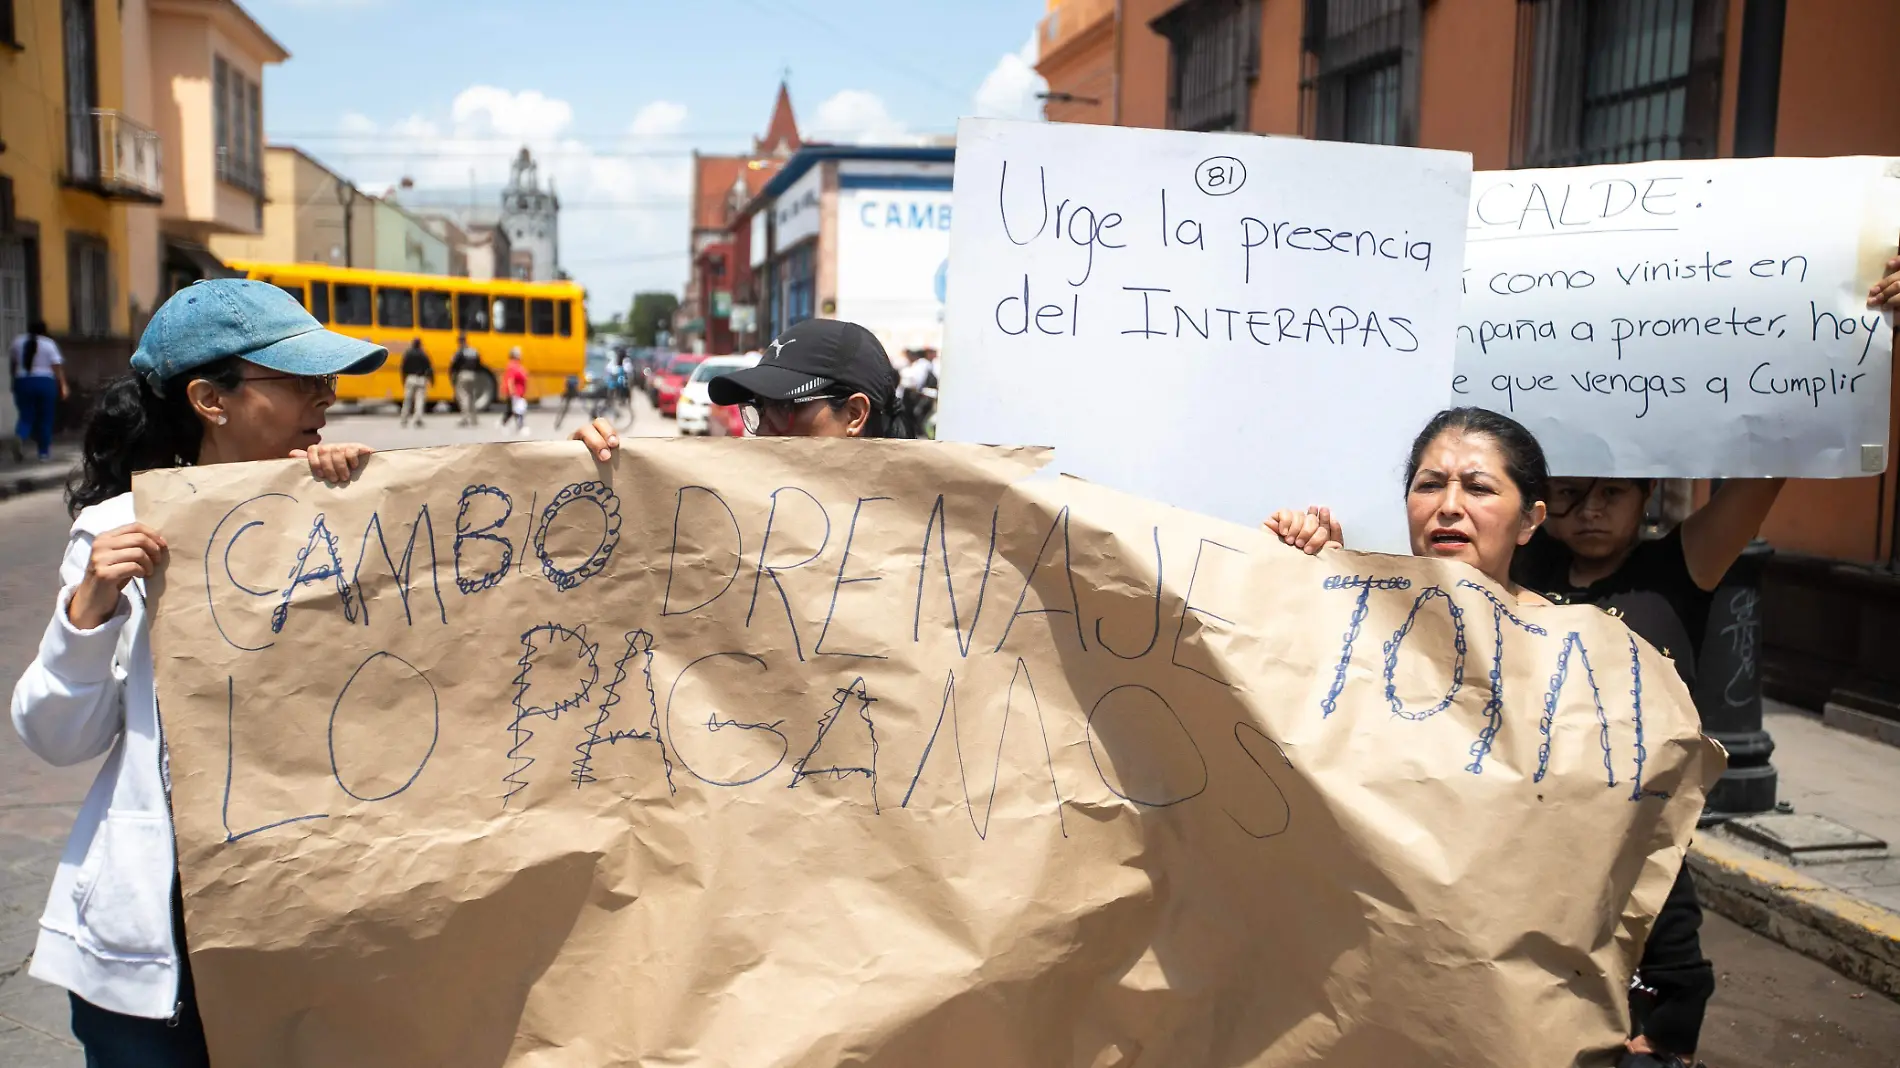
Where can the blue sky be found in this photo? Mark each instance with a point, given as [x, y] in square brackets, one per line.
[613, 96]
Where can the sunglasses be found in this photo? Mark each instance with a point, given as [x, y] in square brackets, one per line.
[770, 417]
[310, 385]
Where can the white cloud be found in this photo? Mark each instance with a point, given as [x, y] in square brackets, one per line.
[658, 119]
[857, 117]
[610, 249]
[1009, 89]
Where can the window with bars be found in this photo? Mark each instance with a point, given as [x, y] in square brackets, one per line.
[1359, 71]
[80, 38]
[1213, 61]
[238, 117]
[88, 285]
[1616, 81]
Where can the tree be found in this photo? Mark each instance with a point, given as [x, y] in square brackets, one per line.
[651, 313]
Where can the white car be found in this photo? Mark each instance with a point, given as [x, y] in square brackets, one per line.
[695, 407]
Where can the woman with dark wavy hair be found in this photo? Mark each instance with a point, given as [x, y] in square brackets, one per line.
[228, 371]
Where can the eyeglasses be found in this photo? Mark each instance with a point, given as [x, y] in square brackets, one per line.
[311, 385]
[765, 418]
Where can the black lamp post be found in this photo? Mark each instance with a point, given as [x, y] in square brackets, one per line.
[1728, 689]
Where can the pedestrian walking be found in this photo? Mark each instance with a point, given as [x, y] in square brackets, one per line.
[514, 387]
[113, 930]
[919, 388]
[39, 384]
[465, 374]
[570, 392]
[620, 394]
[822, 378]
[418, 374]
[1477, 487]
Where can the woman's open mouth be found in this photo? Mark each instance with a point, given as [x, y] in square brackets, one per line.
[1445, 539]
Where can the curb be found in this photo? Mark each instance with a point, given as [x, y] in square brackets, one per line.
[1859, 940]
[14, 486]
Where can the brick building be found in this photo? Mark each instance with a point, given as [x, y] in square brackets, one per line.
[722, 187]
[1556, 83]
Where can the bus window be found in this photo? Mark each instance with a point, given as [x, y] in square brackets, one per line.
[395, 307]
[508, 317]
[320, 301]
[433, 309]
[296, 292]
[566, 308]
[541, 317]
[471, 312]
[352, 305]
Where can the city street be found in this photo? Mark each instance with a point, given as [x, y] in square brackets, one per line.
[1774, 1009]
[379, 427]
[38, 801]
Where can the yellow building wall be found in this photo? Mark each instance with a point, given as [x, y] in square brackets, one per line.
[278, 243]
[138, 264]
[33, 124]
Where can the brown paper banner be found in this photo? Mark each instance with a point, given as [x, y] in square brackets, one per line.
[815, 753]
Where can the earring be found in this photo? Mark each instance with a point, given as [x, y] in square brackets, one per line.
[220, 420]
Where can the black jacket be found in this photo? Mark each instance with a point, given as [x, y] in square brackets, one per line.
[416, 362]
[465, 359]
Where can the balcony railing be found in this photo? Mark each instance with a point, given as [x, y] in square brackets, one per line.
[114, 156]
[1070, 20]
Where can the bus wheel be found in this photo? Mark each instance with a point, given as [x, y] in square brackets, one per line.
[484, 392]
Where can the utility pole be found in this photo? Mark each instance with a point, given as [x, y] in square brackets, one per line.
[346, 196]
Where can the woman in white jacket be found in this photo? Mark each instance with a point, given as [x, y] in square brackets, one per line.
[228, 371]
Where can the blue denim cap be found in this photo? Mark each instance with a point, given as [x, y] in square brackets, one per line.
[219, 317]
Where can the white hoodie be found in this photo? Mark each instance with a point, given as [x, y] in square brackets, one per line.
[106, 934]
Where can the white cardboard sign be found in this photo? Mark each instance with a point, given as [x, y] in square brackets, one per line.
[1690, 319]
[1224, 322]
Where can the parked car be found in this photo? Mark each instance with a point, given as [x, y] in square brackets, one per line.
[695, 407]
[668, 383]
[728, 421]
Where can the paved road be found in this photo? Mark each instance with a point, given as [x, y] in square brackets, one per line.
[1775, 1009]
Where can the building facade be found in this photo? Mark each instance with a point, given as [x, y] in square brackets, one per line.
[1521, 83]
[63, 196]
[718, 279]
[860, 233]
[312, 214]
[204, 64]
[404, 241]
[130, 133]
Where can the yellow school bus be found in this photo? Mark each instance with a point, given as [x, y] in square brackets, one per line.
[547, 321]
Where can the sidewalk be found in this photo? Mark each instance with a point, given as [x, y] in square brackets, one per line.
[1827, 887]
[29, 473]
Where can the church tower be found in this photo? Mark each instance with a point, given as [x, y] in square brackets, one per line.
[530, 216]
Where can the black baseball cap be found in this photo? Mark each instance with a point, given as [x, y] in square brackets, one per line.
[813, 359]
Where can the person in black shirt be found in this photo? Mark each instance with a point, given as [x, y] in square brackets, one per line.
[1591, 551]
[418, 374]
[465, 374]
